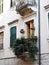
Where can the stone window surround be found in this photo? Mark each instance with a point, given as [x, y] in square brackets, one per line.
[12, 22]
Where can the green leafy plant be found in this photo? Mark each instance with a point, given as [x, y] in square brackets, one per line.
[25, 47]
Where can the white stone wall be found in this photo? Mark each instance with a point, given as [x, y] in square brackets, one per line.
[10, 15]
[16, 61]
[45, 59]
[44, 26]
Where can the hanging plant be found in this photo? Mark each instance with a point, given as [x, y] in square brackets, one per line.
[25, 49]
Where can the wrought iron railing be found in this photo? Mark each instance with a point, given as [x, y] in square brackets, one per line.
[24, 3]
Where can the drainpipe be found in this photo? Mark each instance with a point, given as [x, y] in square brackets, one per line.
[39, 37]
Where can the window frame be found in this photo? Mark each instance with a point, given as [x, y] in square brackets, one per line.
[12, 4]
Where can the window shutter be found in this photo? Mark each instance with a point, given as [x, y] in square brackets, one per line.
[1, 40]
[12, 36]
[30, 28]
[1, 6]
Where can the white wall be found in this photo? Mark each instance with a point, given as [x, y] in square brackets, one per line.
[20, 25]
[44, 26]
[10, 14]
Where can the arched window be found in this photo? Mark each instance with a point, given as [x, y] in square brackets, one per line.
[12, 35]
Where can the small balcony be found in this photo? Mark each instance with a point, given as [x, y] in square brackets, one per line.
[22, 6]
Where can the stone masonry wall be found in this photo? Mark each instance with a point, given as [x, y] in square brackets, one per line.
[16, 61]
[45, 59]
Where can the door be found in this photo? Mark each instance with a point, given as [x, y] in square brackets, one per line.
[29, 29]
[12, 35]
[1, 40]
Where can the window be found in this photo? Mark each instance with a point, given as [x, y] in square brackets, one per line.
[48, 20]
[13, 2]
[1, 6]
[30, 29]
[1, 40]
[12, 35]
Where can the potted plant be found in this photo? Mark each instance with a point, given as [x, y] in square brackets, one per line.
[25, 49]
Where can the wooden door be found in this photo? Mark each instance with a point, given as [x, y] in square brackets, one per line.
[29, 29]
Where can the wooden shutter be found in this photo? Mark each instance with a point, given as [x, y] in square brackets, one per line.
[1, 6]
[12, 36]
[1, 40]
[29, 29]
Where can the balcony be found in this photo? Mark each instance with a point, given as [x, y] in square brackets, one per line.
[22, 6]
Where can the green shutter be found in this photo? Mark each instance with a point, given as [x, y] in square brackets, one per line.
[12, 36]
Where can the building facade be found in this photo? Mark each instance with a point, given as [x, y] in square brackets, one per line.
[14, 18]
